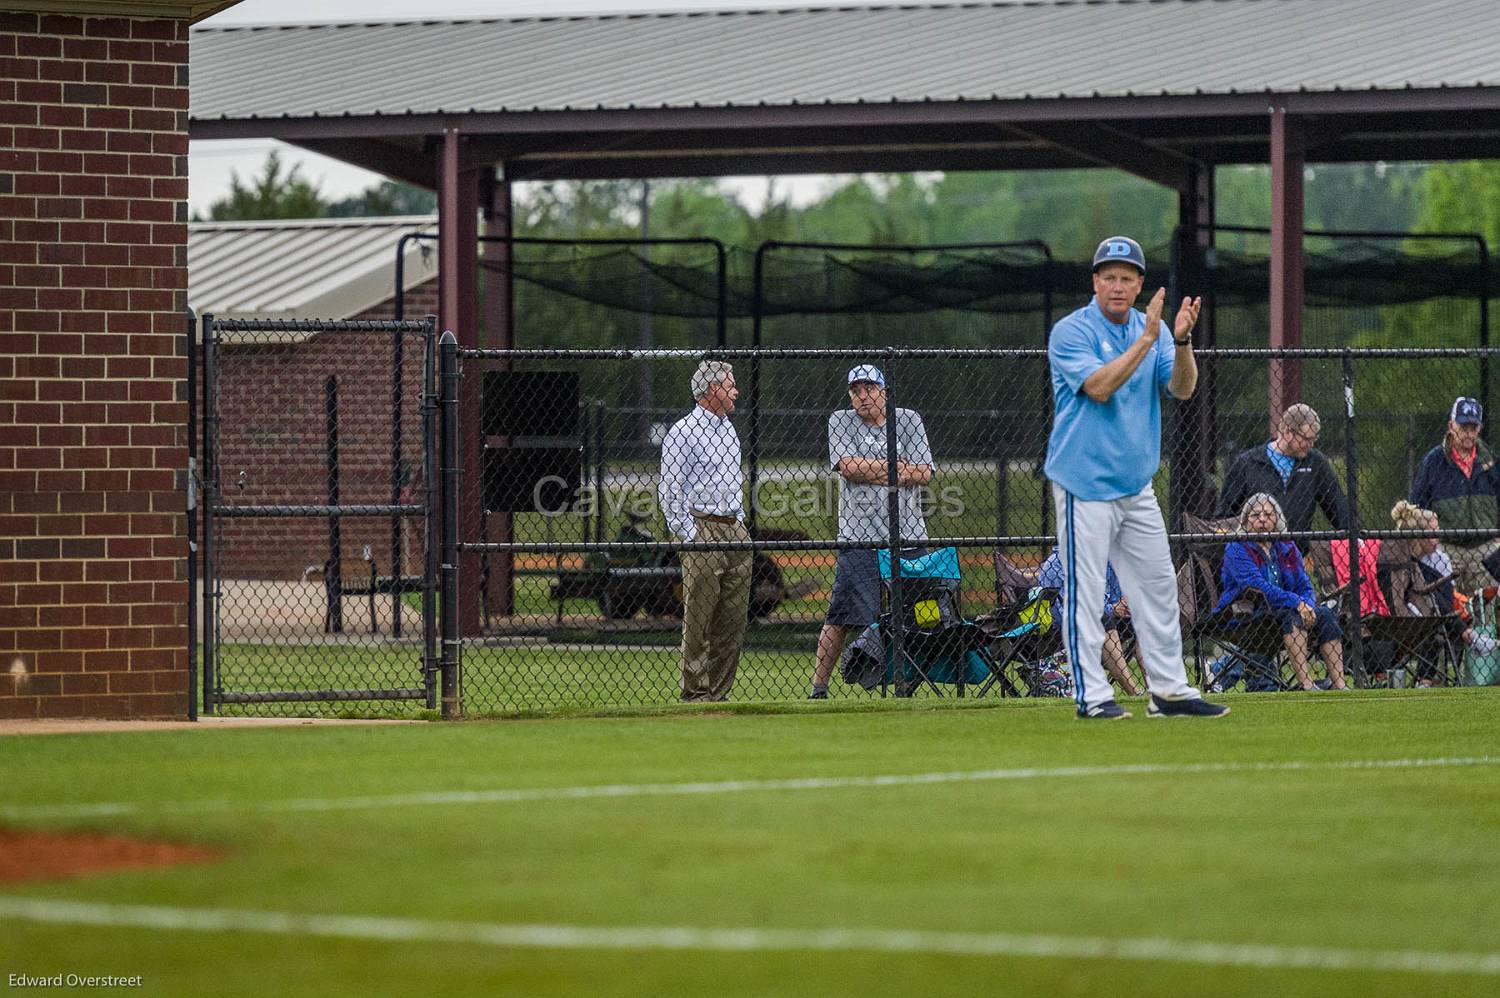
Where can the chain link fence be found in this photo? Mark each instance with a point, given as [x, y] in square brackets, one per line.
[579, 549]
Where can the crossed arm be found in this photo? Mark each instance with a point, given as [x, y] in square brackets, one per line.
[874, 471]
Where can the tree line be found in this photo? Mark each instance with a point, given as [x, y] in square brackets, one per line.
[1067, 209]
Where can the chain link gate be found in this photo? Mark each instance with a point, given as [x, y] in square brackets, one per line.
[318, 515]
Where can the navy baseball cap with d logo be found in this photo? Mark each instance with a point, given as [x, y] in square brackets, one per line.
[1120, 249]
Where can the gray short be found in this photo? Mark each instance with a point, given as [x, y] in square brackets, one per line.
[856, 587]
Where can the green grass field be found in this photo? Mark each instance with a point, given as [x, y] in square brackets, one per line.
[1313, 874]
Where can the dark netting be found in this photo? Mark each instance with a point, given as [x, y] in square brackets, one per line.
[683, 280]
[1356, 273]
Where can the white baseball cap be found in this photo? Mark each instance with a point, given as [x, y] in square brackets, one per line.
[866, 372]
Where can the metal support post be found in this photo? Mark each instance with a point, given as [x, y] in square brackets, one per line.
[449, 474]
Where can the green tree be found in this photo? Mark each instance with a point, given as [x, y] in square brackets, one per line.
[275, 193]
[383, 199]
[1463, 197]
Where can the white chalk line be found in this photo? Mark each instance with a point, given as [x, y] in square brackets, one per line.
[745, 940]
[709, 788]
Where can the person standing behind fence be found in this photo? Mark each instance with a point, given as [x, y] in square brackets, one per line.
[857, 451]
[1109, 366]
[702, 484]
[1291, 470]
[1458, 480]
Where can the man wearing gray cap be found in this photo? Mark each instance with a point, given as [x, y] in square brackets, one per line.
[701, 491]
[1460, 482]
[857, 451]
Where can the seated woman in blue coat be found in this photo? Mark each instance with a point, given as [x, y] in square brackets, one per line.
[1275, 569]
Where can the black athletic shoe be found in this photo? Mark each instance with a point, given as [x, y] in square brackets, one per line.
[1106, 711]
[1196, 707]
[818, 693]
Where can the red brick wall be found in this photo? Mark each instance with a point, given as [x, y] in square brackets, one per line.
[93, 188]
[273, 428]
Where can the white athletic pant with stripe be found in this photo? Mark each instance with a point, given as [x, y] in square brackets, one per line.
[1129, 533]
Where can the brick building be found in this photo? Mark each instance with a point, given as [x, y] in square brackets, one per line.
[93, 276]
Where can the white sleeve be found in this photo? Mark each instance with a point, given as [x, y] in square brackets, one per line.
[676, 460]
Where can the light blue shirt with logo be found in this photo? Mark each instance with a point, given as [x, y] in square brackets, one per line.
[1282, 462]
[1100, 451]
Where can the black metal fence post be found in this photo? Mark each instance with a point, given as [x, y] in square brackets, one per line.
[1484, 323]
[753, 436]
[399, 476]
[449, 472]
[1047, 404]
[893, 524]
[1356, 661]
[190, 486]
[209, 497]
[721, 287]
[333, 575]
[430, 493]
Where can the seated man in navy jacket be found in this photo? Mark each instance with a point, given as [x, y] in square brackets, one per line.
[1291, 470]
[1274, 568]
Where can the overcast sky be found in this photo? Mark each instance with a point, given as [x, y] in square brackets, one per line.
[211, 164]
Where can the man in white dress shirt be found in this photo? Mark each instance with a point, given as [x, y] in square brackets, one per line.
[701, 489]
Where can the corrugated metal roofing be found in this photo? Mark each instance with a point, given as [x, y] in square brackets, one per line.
[304, 269]
[1054, 48]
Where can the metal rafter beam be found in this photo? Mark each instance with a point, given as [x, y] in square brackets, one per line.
[403, 163]
[1107, 146]
[549, 167]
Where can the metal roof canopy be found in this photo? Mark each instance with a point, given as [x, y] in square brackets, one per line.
[1163, 89]
[323, 268]
[1035, 85]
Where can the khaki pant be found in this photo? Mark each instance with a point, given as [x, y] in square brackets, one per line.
[715, 601]
[1468, 562]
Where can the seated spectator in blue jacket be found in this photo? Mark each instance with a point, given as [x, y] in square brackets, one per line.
[1116, 618]
[1274, 568]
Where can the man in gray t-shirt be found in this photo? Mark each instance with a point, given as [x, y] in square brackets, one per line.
[857, 451]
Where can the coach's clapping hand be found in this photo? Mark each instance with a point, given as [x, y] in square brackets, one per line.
[1187, 317]
[1153, 315]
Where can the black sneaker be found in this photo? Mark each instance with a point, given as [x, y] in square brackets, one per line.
[818, 693]
[1195, 707]
[1323, 684]
[1106, 711]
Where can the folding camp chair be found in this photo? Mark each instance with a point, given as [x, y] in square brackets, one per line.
[937, 643]
[1420, 635]
[1254, 646]
[1021, 629]
[1403, 626]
